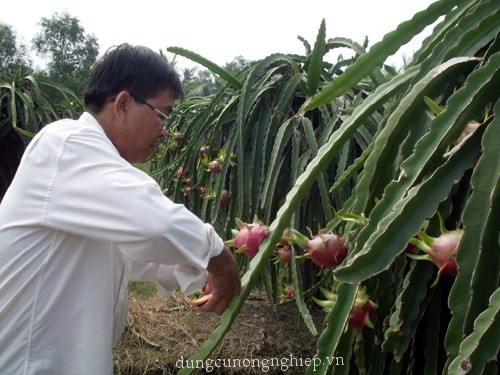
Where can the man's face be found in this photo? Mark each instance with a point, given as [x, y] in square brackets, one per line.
[143, 128]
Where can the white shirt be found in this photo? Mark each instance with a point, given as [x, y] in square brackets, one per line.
[77, 223]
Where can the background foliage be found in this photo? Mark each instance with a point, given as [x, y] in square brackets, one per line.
[302, 141]
[32, 96]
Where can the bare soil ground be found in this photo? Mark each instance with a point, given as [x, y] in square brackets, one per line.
[162, 334]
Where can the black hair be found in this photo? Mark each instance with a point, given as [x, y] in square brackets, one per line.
[137, 69]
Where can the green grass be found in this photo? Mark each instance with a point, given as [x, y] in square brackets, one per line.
[143, 288]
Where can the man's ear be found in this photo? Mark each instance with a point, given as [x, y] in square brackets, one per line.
[121, 105]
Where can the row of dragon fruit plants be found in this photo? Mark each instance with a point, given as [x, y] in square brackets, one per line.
[369, 193]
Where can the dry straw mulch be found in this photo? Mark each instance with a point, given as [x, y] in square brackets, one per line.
[162, 335]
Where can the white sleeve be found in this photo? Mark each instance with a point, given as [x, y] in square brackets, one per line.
[169, 277]
[86, 188]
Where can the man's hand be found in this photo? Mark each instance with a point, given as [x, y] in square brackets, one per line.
[224, 276]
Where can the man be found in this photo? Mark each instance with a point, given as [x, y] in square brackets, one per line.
[79, 221]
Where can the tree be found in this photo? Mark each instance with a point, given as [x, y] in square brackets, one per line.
[238, 64]
[25, 107]
[204, 83]
[70, 52]
[13, 56]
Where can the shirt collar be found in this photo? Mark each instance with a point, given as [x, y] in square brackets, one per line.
[89, 119]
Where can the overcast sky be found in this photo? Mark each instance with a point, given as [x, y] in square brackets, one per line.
[220, 30]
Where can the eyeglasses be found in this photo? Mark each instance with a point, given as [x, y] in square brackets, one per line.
[165, 117]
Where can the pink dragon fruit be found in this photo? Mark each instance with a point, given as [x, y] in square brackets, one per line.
[202, 190]
[225, 198]
[288, 293]
[249, 237]
[284, 254]
[439, 250]
[361, 312]
[203, 152]
[327, 250]
[443, 249]
[215, 166]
